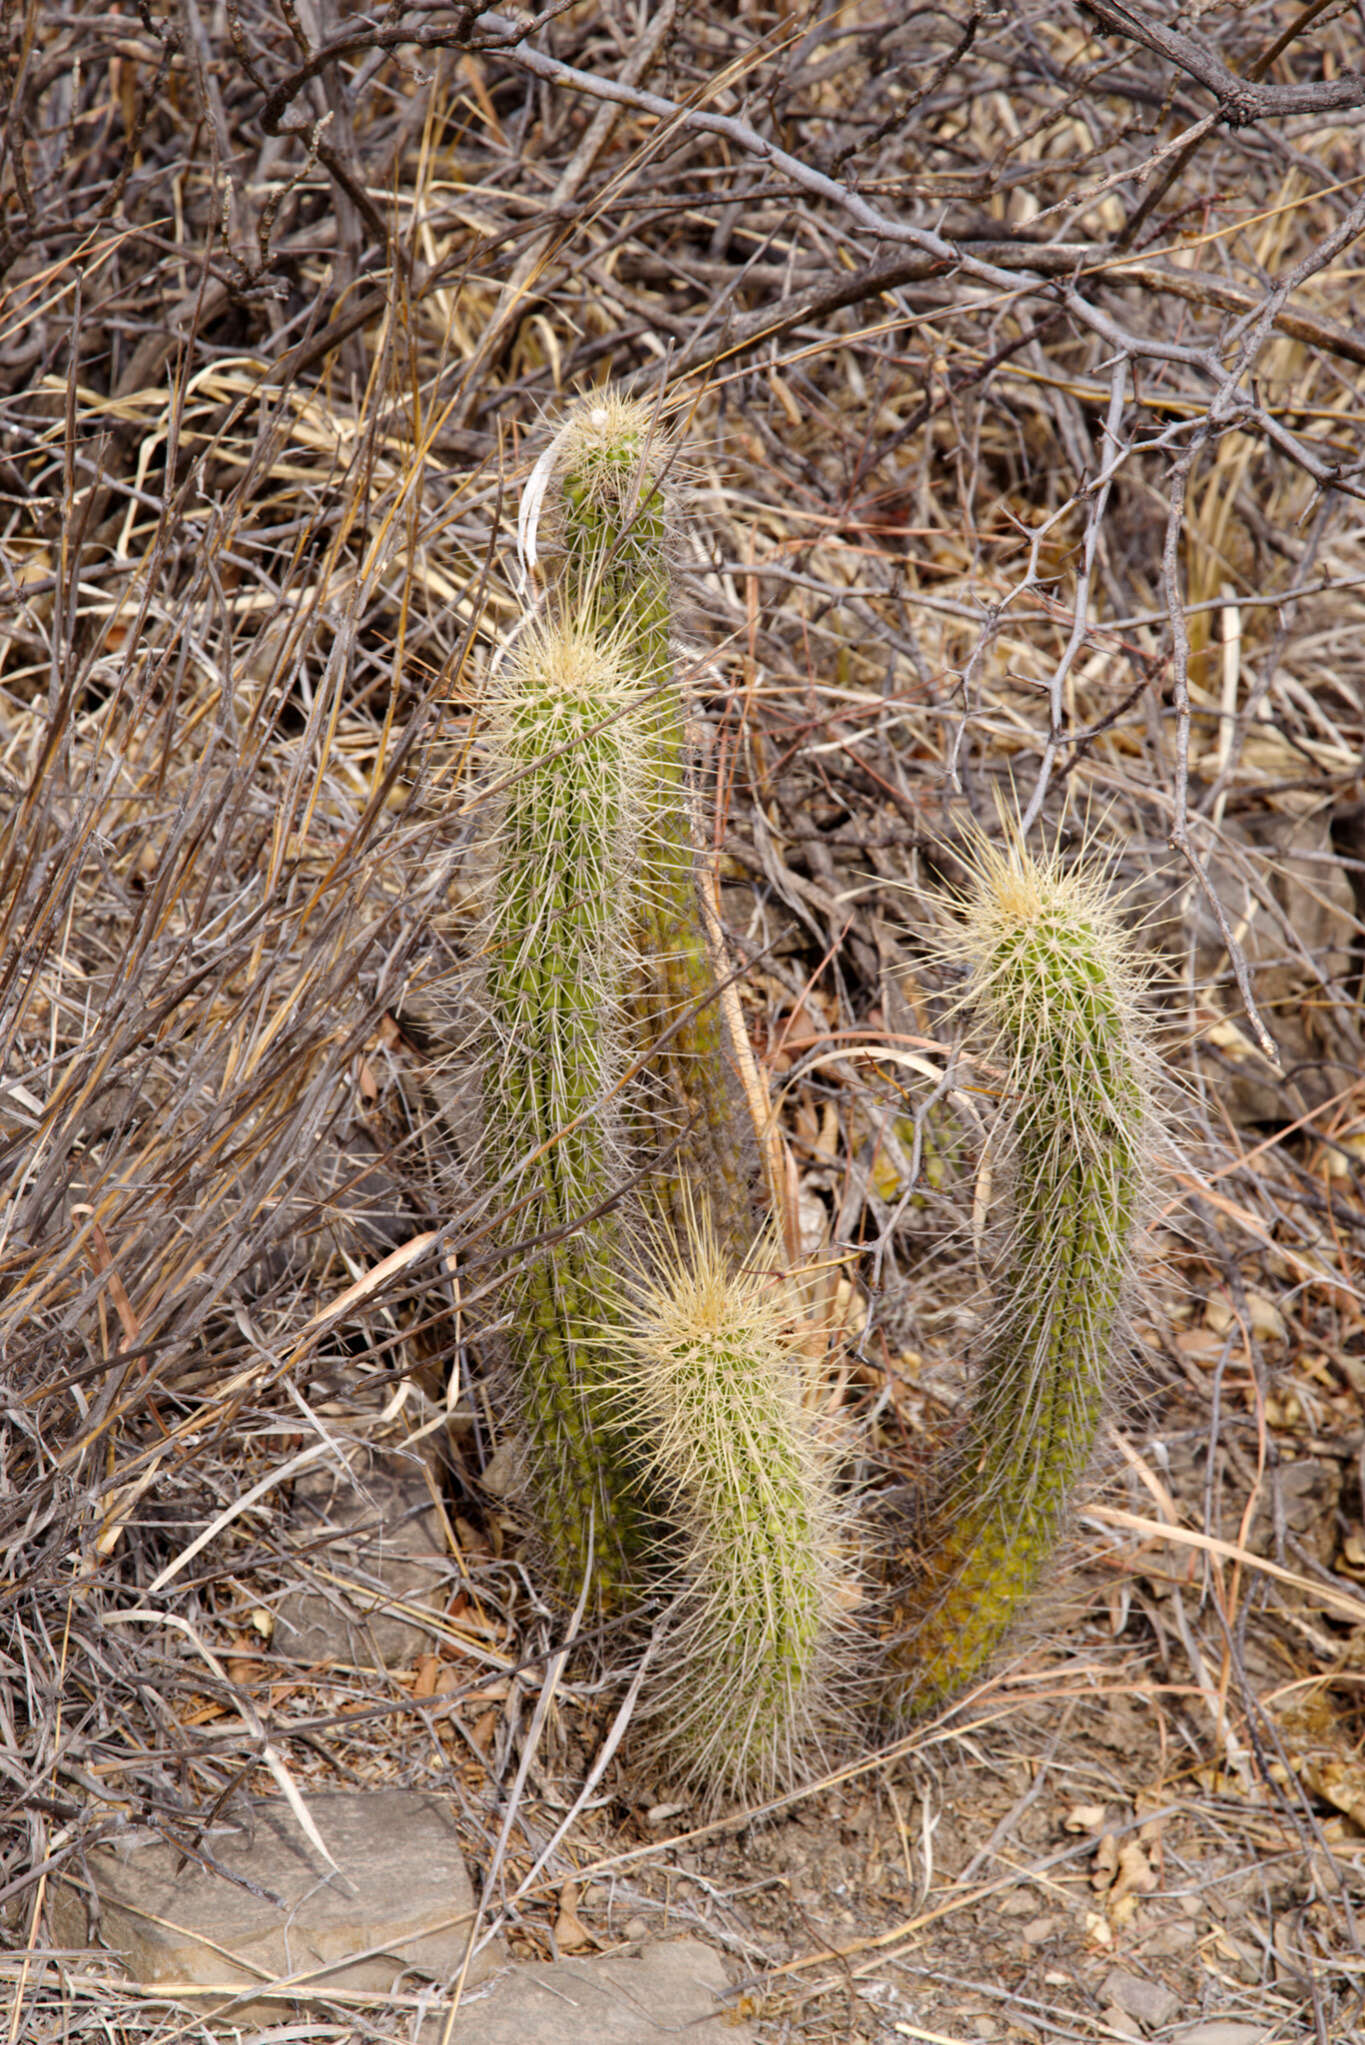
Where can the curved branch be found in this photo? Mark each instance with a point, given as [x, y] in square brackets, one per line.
[1241, 101]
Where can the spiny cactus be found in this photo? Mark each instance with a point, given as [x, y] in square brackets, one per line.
[715, 1396]
[610, 492]
[569, 749]
[685, 1389]
[1057, 981]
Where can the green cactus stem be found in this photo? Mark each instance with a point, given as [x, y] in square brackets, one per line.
[568, 747]
[612, 511]
[1057, 982]
[716, 1394]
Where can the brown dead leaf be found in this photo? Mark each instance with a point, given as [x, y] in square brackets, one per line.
[1134, 1876]
[242, 1665]
[428, 1670]
[571, 1934]
[1339, 1783]
[454, 1676]
[1098, 1930]
[1200, 1345]
[1083, 1818]
[1122, 1913]
[483, 1729]
[1262, 1314]
[473, 1541]
[1150, 1827]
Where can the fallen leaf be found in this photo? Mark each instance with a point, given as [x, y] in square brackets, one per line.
[571, 1934]
[242, 1666]
[1098, 1930]
[502, 1472]
[1339, 1783]
[482, 1730]
[1122, 1913]
[1134, 1877]
[1263, 1316]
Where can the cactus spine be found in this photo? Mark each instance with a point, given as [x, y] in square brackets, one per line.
[568, 745]
[612, 510]
[1056, 979]
[716, 1393]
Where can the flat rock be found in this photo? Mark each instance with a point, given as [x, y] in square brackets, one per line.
[1119, 2022]
[1149, 2003]
[1224, 2031]
[400, 1904]
[668, 1991]
[384, 1562]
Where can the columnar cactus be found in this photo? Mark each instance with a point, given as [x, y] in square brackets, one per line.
[569, 743]
[671, 1441]
[610, 504]
[716, 1398]
[1056, 979]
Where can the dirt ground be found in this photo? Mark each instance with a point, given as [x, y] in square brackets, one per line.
[1015, 361]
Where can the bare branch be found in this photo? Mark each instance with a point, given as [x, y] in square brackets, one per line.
[1241, 101]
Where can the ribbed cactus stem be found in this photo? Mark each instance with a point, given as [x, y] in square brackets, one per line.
[613, 513]
[716, 1395]
[567, 751]
[1056, 980]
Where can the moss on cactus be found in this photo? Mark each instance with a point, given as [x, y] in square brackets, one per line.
[568, 750]
[1056, 979]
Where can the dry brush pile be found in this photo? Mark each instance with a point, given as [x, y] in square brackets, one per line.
[1015, 358]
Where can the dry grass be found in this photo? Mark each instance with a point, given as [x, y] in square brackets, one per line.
[1028, 412]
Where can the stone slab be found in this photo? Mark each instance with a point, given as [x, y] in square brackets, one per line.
[1224, 2031]
[669, 1991]
[385, 1561]
[401, 1904]
[1149, 2003]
